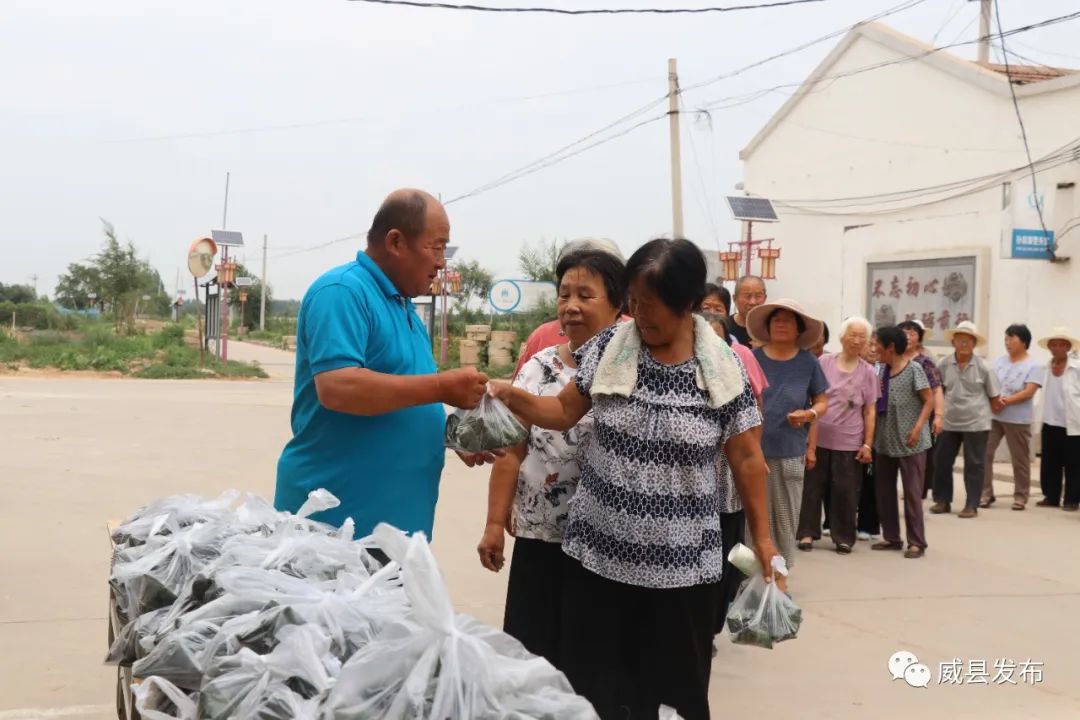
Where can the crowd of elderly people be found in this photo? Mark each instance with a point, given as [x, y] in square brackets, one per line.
[643, 469]
[664, 426]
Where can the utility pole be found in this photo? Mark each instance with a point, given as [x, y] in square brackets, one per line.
[676, 153]
[223, 332]
[262, 291]
[985, 9]
[34, 277]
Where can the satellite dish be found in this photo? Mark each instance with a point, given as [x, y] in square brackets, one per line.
[201, 257]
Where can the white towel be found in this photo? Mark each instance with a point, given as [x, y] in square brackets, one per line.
[718, 369]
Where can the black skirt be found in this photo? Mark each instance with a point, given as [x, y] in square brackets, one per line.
[732, 532]
[630, 649]
[534, 597]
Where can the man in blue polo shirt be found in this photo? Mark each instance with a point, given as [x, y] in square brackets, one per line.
[367, 414]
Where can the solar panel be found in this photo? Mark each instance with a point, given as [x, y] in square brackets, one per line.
[751, 208]
[231, 238]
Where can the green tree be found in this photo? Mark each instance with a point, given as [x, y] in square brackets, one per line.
[74, 288]
[476, 282]
[254, 297]
[537, 261]
[18, 294]
[119, 278]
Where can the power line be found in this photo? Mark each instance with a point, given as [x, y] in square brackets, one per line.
[1023, 131]
[952, 16]
[565, 152]
[799, 48]
[514, 174]
[969, 186]
[350, 120]
[1070, 151]
[299, 250]
[550, 159]
[966, 28]
[554, 161]
[593, 11]
[861, 210]
[1045, 52]
[705, 200]
[888, 63]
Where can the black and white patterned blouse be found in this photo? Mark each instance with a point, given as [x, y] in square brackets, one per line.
[647, 510]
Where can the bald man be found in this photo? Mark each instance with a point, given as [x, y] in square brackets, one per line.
[367, 415]
[749, 293]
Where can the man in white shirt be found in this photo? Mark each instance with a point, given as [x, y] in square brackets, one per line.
[1061, 422]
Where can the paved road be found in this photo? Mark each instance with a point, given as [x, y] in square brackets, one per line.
[280, 365]
[77, 452]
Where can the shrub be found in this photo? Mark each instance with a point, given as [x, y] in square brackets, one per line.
[169, 336]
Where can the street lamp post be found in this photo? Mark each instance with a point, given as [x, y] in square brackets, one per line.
[444, 344]
[226, 277]
[243, 306]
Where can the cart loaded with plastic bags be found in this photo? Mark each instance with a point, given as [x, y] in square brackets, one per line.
[225, 608]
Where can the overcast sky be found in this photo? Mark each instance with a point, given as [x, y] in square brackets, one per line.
[134, 110]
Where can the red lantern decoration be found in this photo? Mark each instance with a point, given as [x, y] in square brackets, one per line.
[769, 256]
[729, 264]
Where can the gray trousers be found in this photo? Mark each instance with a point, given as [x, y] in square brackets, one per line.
[1018, 437]
[911, 470]
[838, 477]
[784, 497]
[949, 443]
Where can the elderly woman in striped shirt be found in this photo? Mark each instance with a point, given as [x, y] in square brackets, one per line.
[643, 541]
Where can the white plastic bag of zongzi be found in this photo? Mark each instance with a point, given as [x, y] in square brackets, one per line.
[488, 426]
[762, 614]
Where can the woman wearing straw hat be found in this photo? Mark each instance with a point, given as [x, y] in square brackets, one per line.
[794, 399]
[1061, 421]
[971, 388]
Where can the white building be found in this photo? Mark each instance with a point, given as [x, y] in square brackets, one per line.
[892, 152]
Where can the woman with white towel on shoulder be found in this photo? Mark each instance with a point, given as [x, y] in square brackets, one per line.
[643, 543]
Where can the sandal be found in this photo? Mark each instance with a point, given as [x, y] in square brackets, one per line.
[886, 545]
[843, 549]
[805, 545]
[1018, 506]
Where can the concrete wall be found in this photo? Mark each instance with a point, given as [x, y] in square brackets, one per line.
[906, 126]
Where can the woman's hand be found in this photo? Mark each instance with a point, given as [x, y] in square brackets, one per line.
[766, 551]
[811, 458]
[501, 390]
[939, 425]
[914, 435]
[798, 418]
[491, 547]
[479, 459]
[865, 455]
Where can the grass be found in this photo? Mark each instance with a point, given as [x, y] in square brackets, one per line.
[160, 355]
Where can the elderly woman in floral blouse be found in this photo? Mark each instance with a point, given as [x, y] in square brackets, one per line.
[531, 486]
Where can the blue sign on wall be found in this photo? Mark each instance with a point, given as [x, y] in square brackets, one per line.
[1032, 244]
